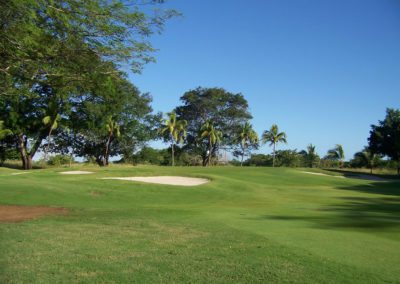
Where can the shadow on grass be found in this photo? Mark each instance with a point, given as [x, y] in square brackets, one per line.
[362, 175]
[373, 211]
[18, 166]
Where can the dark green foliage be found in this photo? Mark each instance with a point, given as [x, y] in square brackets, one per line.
[130, 111]
[384, 138]
[259, 160]
[59, 160]
[226, 111]
[56, 54]
[310, 157]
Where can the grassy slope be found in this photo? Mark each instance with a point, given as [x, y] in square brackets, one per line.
[247, 225]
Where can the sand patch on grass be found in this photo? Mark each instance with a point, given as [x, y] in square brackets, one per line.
[169, 180]
[14, 213]
[76, 173]
[321, 174]
[356, 176]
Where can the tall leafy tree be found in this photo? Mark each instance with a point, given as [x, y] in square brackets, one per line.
[247, 139]
[337, 153]
[384, 137]
[213, 136]
[175, 131]
[84, 40]
[273, 136]
[227, 111]
[114, 119]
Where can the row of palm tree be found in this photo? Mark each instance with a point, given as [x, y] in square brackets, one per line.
[176, 131]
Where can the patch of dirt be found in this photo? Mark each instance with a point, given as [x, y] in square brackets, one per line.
[170, 180]
[76, 173]
[14, 213]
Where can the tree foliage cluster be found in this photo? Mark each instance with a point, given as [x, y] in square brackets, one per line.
[61, 82]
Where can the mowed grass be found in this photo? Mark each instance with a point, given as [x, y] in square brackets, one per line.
[247, 225]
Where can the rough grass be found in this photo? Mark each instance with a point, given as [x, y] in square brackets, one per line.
[246, 225]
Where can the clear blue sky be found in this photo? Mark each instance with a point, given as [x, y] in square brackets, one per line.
[324, 71]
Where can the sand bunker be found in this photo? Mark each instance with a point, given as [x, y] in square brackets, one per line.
[76, 173]
[13, 213]
[321, 174]
[170, 180]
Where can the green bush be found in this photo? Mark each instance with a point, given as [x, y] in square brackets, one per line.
[59, 160]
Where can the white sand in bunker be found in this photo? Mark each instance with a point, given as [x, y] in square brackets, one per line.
[321, 174]
[170, 180]
[76, 173]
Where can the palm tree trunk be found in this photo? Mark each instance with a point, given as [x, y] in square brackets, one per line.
[46, 150]
[209, 152]
[273, 157]
[107, 151]
[173, 154]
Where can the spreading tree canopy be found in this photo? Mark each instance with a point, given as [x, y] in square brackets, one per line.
[226, 111]
[56, 54]
[385, 136]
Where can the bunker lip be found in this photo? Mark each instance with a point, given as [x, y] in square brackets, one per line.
[354, 176]
[76, 173]
[168, 180]
[16, 213]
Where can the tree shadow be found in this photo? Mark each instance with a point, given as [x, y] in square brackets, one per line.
[16, 166]
[371, 211]
[366, 176]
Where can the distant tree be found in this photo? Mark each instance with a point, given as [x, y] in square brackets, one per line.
[337, 154]
[227, 111]
[259, 160]
[310, 156]
[273, 136]
[366, 158]
[175, 130]
[213, 137]
[384, 138]
[288, 158]
[247, 139]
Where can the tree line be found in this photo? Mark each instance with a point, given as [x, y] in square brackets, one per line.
[63, 92]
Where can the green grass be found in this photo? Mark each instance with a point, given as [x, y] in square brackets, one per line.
[247, 225]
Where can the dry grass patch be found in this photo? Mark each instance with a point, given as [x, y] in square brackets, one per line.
[13, 213]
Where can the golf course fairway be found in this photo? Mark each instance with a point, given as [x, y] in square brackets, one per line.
[246, 225]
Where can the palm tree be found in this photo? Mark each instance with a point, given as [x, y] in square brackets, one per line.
[368, 157]
[213, 136]
[273, 136]
[4, 132]
[310, 155]
[52, 123]
[337, 153]
[176, 130]
[246, 137]
[113, 131]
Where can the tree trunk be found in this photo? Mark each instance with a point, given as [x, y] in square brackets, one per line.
[23, 153]
[273, 157]
[107, 151]
[209, 154]
[173, 154]
[46, 150]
